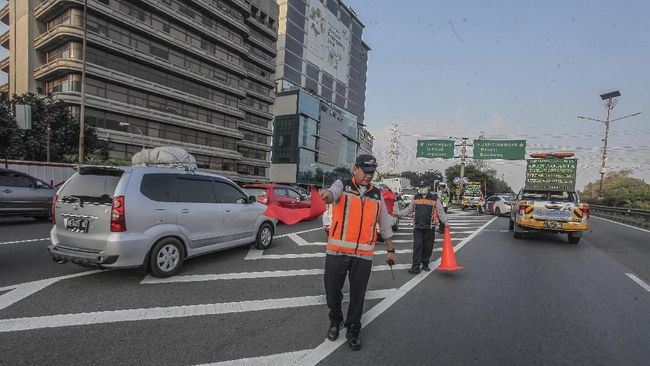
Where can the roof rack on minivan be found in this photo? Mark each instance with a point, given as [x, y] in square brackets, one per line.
[165, 157]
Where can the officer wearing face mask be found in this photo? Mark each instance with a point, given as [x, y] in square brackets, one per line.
[427, 210]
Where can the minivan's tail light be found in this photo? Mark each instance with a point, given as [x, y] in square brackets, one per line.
[585, 211]
[118, 220]
[53, 209]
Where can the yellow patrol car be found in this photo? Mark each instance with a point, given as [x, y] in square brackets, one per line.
[549, 201]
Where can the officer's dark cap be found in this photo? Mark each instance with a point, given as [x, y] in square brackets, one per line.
[366, 162]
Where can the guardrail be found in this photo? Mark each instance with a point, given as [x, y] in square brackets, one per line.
[630, 216]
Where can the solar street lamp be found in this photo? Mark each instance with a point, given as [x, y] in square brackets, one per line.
[610, 102]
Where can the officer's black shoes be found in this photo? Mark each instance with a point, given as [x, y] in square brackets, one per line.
[333, 331]
[354, 339]
[425, 267]
[414, 270]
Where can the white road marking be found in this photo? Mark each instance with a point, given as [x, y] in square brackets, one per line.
[327, 347]
[253, 253]
[313, 255]
[114, 316]
[150, 280]
[55, 279]
[620, 223]
[24, 241]
[23, 290]
[639, 281]
[302, 242]
[411, 240]
[299, 232]
[270, 360]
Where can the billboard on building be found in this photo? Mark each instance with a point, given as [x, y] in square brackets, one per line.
[328, 41]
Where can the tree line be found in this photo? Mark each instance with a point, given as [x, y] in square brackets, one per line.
[31, 144]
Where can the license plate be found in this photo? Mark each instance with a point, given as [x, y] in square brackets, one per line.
[552, 224]
[77, 225]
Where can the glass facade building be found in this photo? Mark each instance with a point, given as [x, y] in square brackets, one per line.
[320, 86]
[196, 74]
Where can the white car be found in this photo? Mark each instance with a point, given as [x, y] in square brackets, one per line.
[498, 205]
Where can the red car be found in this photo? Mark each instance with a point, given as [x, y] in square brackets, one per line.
[284, 196]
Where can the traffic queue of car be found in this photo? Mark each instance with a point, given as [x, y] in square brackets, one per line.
[174, 214]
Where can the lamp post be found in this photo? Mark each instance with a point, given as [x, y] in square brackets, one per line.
[610, 102]
[323, 170]
[126, 124]
[82, 106]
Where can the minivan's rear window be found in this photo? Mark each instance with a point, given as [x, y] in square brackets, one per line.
[93, 186]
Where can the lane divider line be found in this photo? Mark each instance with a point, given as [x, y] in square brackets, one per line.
[319, 353]
[23, 290]
[620, 223]
[115, 316]
[55, 279]
[639, 281]
[24, 241]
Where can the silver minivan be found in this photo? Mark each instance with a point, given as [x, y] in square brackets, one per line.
[153, 218]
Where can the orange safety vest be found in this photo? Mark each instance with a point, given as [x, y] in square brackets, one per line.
[354, 222]
[426, 212]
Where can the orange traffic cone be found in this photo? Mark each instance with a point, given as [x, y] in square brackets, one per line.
[448, 260]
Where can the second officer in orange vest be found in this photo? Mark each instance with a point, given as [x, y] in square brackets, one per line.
[359, 210]
[426, 210]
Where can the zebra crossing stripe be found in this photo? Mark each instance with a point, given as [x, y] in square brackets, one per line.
[127, 315]
[150, 280]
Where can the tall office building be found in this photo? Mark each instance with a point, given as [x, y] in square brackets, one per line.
[321, 85]
[192, 73]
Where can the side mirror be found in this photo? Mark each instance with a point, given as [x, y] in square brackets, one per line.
[252, 199]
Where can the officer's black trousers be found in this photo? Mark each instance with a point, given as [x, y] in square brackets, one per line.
[422, 246]
[337, 267]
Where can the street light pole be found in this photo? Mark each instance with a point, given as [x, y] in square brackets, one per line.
[48, 133]
[603, 169]
[126, 124]
[610, 102]
[82, 107]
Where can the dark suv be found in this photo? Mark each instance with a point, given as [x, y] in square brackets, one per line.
[23, 195]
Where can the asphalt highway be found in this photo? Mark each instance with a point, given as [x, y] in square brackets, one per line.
[534, 301]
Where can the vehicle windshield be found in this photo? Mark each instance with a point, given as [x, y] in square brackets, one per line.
[255, 191]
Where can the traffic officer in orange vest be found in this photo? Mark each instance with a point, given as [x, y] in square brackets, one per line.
[358, 211]
[427, 211]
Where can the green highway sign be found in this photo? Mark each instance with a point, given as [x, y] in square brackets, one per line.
[435, 149]
[551, 174]
[500, 149]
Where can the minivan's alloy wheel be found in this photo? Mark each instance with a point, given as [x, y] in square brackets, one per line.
[166, 258]
[264, 236]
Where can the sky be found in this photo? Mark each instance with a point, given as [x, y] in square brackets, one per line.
[508, 69]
